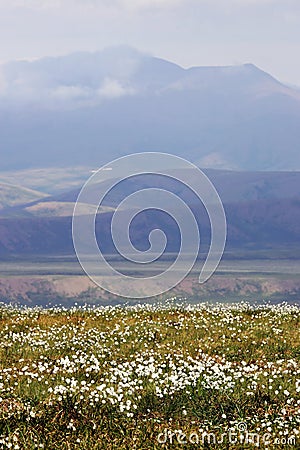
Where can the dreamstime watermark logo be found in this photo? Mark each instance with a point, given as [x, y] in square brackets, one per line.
[238, 435]
[94, 261]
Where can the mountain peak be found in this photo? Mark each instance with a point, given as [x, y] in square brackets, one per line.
[252, 68]
[88, 107]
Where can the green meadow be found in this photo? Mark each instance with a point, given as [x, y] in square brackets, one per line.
[170, 375]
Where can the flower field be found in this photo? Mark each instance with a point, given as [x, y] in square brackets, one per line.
[150, 377]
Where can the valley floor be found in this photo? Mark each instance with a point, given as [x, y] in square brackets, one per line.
[61, 280]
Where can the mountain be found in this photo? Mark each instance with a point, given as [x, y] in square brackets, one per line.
[262, 209]
[260, 225]
[11, 195]
[89, 108]
[232, 186]
[48, 180]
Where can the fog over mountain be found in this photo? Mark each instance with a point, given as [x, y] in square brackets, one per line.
[88, 108]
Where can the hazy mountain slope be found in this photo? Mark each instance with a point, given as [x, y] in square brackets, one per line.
[11, 195]
[263, 224]
[233, 187]
[48, 180]
[87, 108]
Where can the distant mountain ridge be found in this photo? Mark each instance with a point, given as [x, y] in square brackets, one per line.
[262, 209]
[232, 186]
[255, 226]
[12, 195]
[89, 108]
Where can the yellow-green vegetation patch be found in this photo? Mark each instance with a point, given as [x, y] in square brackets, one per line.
[150, 377]
[60, 209]
[11, 195]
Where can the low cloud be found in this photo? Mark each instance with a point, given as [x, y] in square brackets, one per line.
[32, 4]
[2, 82]
[151, 4]
[113, 89]
[71, 93]
[74, 81]
[129, 4]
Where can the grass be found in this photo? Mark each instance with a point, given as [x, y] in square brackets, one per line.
[150, 377]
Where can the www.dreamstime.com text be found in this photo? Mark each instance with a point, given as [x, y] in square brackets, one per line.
[231, 436]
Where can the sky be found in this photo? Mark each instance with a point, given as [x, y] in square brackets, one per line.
[187, 32]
